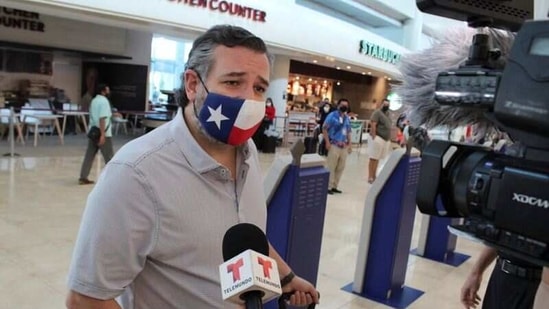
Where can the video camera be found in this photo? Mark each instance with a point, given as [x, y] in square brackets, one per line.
[503, 197]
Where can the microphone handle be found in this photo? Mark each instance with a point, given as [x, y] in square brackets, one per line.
[253, 299]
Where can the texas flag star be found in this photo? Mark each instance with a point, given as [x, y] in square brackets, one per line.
[216, 116]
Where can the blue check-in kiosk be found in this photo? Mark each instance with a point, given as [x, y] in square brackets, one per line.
[386, 234]
[437, 243]
[296, 188]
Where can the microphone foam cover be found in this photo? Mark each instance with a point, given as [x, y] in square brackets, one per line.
[242, 237]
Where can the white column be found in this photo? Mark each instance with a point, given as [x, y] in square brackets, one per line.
[412, 28]
[541, 9]
[277, 87]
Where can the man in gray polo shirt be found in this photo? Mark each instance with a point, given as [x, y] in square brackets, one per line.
[152, 230]
[379, 143]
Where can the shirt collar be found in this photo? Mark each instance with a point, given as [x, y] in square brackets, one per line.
[191, 150]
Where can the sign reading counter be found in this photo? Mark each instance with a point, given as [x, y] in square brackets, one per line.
[376, 51]
[19, 19]
[227, 7]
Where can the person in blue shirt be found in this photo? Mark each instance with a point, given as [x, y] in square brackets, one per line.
[100, 116]
[337, 134]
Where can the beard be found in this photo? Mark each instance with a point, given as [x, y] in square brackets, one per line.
[198, 104]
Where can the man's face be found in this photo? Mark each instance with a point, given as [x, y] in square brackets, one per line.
[385, 103]
[344, 103]
[236, 72]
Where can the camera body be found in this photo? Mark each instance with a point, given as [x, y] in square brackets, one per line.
[505, 200]
[504, 197]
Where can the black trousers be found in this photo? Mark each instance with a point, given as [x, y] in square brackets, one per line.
[506, 291]
[106, 150]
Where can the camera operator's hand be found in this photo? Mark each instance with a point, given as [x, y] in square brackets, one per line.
[542, 295]
[469, 291]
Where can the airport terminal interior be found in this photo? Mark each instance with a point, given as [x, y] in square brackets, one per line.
[42, 205]
[53, 53]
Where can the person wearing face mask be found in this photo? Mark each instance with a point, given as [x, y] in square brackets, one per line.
[379, 143]
[153, 226]
[270, 110]
[323, 112]
[259, 136]
[100, 117]
[337, 135]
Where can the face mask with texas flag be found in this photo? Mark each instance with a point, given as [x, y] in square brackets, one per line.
[230, 120]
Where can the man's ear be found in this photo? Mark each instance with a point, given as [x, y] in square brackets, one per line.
[191, 84]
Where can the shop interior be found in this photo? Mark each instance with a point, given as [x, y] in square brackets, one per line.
[310, 85]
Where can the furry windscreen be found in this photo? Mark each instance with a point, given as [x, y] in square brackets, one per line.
[420, 70]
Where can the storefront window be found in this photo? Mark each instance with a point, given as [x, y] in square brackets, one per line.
[168, 58]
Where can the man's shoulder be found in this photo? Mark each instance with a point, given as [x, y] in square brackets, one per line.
[149, 147]
[99, 100]
[331, 116]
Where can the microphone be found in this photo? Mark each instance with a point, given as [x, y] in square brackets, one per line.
[248, 276]
[449, 52]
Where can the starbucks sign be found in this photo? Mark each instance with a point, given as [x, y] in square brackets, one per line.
[376, 51]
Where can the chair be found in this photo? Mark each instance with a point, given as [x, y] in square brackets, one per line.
[36, 125]
[5, 115]
[117, 122]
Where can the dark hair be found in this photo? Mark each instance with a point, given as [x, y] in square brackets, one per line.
[269, 100]
[385, 100]
[341, 100]
[100, 88]
[201, 54]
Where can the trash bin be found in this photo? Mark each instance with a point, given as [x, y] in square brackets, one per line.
[310, 144]
[269, 145]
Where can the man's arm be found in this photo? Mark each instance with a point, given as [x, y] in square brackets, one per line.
[542, 296]
[102, 127]
[117, 233]
[325, 133]
[79, 301]
[349, 131]
[373, 128]
[304, 293]
[373, 124]
[326, 138]
[349, 141]
[469, 295]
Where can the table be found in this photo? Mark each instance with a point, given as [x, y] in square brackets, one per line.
[17, 126]
[55, 119]
[136, 115]
[80, 114]
[153, 121]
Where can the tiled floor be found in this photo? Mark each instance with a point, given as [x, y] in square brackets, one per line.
[41, 205]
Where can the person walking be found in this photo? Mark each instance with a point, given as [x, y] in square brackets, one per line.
[380, 141]
[100, 117]
[337, 135]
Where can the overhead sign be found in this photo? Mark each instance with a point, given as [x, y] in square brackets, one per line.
[227, 7]
[19, 19]
[376, 51]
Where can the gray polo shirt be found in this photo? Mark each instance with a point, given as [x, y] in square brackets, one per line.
[153, 227]
[383, 121]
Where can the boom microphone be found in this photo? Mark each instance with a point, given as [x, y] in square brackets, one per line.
[448, 53]
[248, 276]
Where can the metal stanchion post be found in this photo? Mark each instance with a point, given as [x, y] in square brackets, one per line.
[11, 134]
